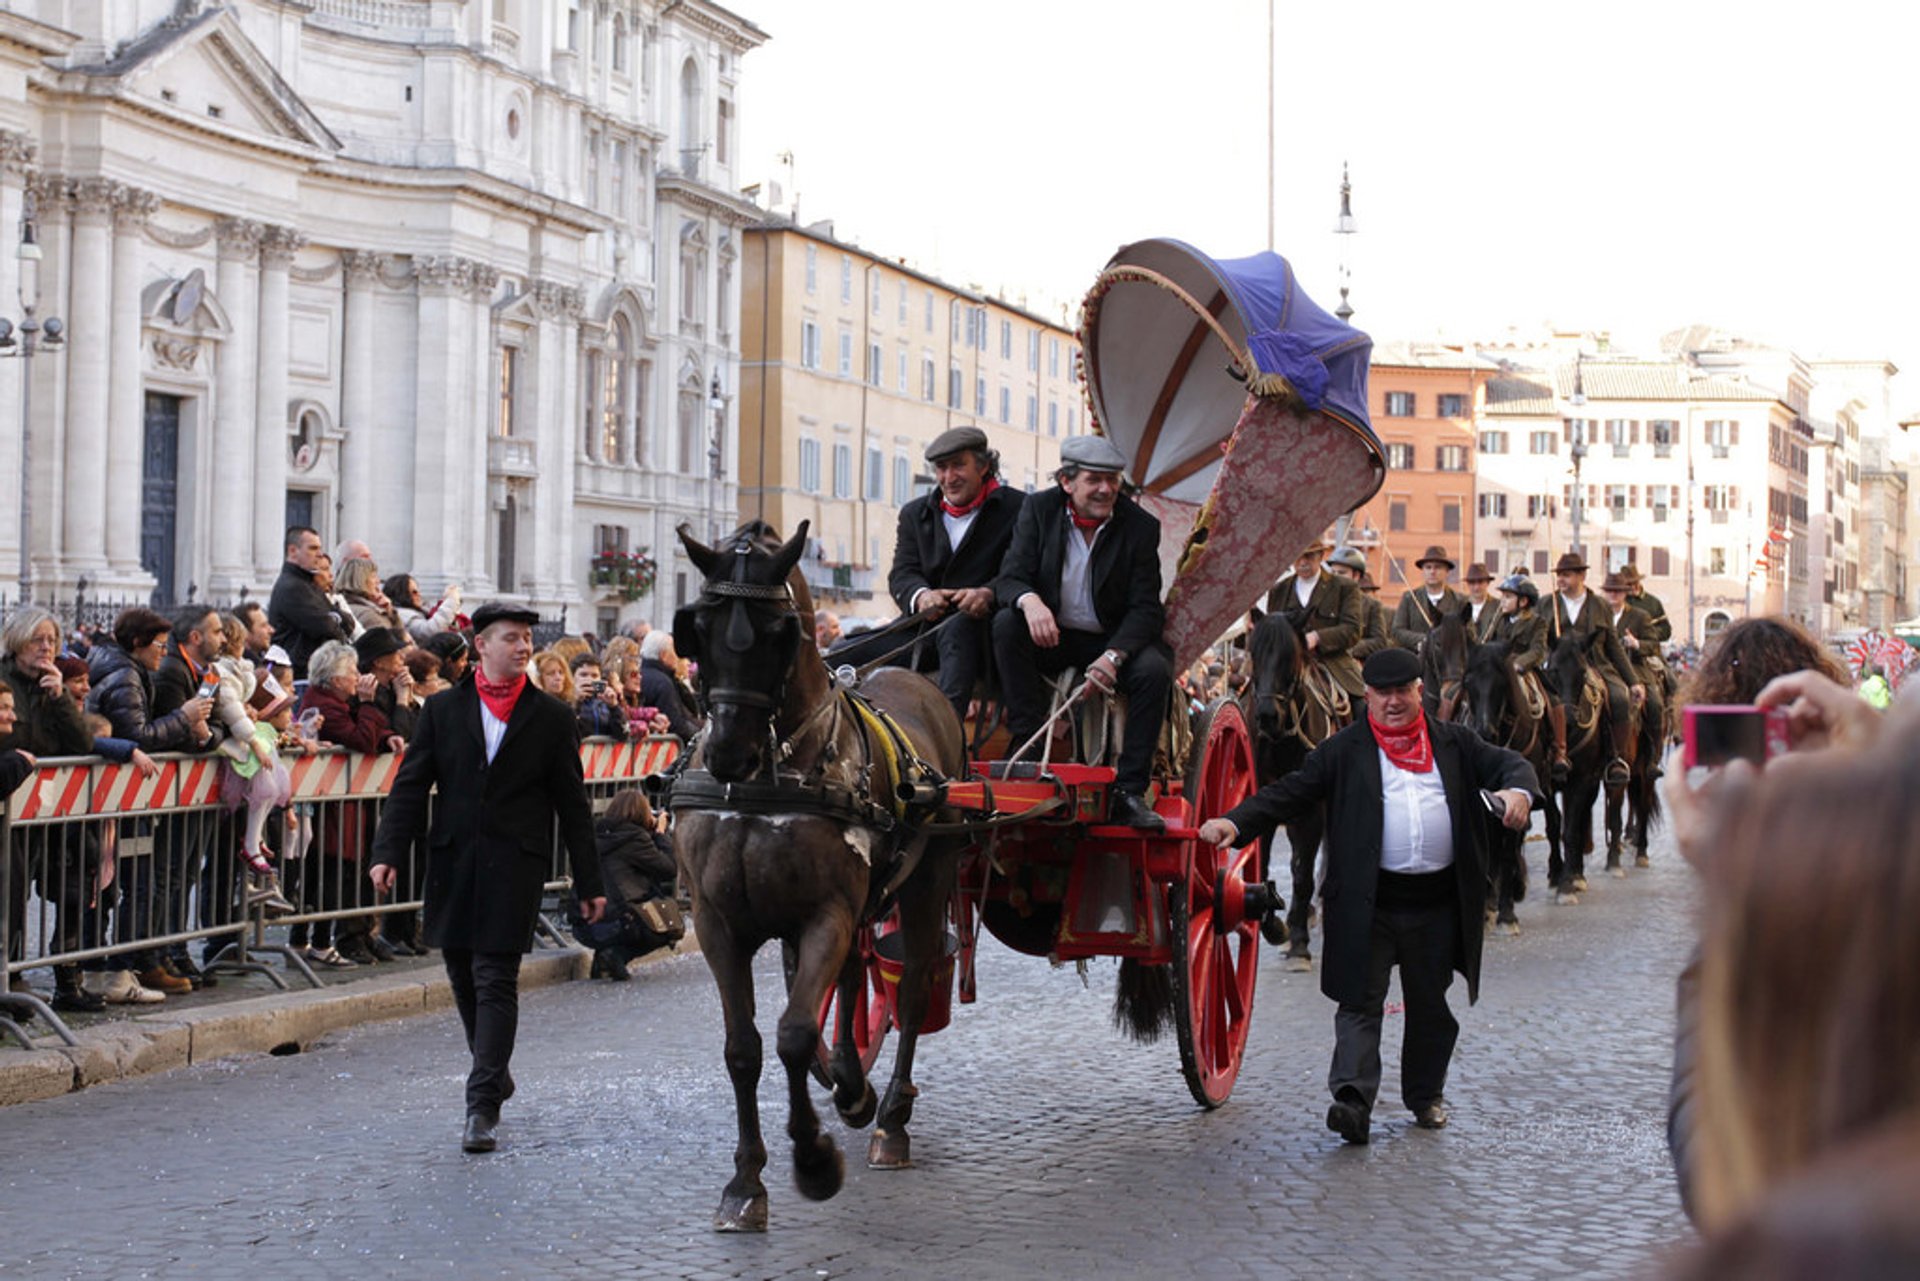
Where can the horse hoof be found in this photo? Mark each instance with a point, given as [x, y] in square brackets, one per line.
[749, 1215]
[819, 1169]
[860, 1116]
[1300, 964]
[1641, 860]
[1579, 885]
[1510, 929]
[1566, 898]
[889, 1150]
[1617, 872]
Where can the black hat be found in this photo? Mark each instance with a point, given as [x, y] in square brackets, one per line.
[1435, 554]
[956, 440]
[1386, 668]
[378, 642]
[501, 612]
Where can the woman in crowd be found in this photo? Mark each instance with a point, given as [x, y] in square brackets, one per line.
[454, 653]
[421, 623]
[343, 697]
[424, 667]
[1752, 652]
[551, 675]
[636, 861]
[359, 585]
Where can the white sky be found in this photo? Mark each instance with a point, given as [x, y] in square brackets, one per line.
[1631, 166]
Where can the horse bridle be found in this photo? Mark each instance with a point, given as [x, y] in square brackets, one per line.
[776, 594]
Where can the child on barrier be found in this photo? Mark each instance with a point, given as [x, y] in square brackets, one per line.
[261, 783]
[637, 863]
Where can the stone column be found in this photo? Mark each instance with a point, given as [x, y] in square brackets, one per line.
[88, 370]
[16, 164]
[476, 564]
[233, 383]
[558, 413]
[270, 437]
[356, 396]
[437, 407]
[125, 410]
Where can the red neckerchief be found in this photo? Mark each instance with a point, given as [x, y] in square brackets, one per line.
[993, 483]
[501, 697]
[1408, 748]
[1083, 522]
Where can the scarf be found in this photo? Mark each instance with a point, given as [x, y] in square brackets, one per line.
[1083, 522]
[499, 697]
[993, 483]
[1408, 748]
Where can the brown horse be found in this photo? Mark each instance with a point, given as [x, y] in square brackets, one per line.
[786, 829]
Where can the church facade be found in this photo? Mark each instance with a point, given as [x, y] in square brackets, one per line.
[455, 277]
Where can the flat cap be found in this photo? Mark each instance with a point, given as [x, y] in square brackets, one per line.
[956, 440]
[502, 612]
[1386, 668]
[378, 642]
[1095, 453]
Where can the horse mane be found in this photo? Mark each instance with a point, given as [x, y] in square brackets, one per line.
[1446, 649]
[1275, 637]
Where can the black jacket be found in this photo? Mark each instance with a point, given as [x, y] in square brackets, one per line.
[1343, 773]
[123, 693]
[660, 691]
[1594, 617]
[634, 863]
[44, 725]
[303, 620]
[490, 849]
[1126, 568]
[923, 558]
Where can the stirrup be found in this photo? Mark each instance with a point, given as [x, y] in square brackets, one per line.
[1618, 772]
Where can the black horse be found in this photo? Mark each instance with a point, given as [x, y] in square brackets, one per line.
[1640, 797]
[1573, 676]
[1494, 703]
[1296, 706]
[784, 830]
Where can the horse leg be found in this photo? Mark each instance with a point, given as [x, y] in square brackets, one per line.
[1304, 837]
[923, 930]
[1617, 802]
[820, 956]
[1509, 880]
[743, 1203]
[853, 1095]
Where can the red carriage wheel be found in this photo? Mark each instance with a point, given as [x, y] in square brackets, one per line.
[872, 1018]
[1215, 963]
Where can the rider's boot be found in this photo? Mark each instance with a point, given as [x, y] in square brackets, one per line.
[1619, 771]
[1557, 717]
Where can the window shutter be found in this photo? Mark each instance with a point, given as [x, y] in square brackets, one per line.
[1633, 431]
[1633, 495]
[1733, 432]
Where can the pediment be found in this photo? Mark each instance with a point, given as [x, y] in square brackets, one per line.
[203, 70]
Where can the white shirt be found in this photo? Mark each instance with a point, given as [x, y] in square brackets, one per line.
[492, 728]
[1303, 588]
[957, 527]
[1416, 832]
[1076, 580]
[1573, 605]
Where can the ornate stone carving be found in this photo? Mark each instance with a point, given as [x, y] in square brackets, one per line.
[239, 237]
[362, 266]
[93, 199]
[486, 278]
[178, 239]
[278, 246]
[175, 352]
[555, 301]
[17, 152]
[316, 275]
[132, 208]
[438, 271]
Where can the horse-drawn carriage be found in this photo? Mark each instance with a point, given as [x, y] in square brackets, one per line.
[849, 825]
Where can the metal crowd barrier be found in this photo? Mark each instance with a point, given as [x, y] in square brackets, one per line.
[105, 865]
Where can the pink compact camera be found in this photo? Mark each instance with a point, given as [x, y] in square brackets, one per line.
[1713, 735]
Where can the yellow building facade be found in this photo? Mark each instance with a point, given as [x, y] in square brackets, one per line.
[850, 365]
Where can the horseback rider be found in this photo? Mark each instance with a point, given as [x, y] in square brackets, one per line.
[1655, 660]
[1327, 612]
[1482, 612]
[1350, 563]
[1422, 608]
[1643, 650]
[1525, 634]
[1575, 611]
[947, 548]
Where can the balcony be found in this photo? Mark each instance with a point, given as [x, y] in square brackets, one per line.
[838, 582]
[1660, 515]
[511, 456]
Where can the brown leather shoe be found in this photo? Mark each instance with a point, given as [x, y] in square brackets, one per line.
[1432, 1116]
[162, 980]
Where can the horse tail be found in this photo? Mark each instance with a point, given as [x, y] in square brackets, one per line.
[1143, 1000]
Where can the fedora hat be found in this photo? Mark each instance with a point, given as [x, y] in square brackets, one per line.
[1477, 573]
[1570, 563]
[1616, 582]
[1435, 554]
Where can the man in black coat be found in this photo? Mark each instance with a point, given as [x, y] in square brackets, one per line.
[947, 549]
[302, 618]
[505, 761]
[1406, 878]
[660, 685]
[1081, 588]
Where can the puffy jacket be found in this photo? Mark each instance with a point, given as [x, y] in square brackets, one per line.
[635, 862]
[123, 693]
[46, 725]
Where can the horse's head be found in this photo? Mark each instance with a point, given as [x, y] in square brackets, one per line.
[746, 633]
[1445, 653]
[1278, 652]
[1568, 662]
[1487, 688]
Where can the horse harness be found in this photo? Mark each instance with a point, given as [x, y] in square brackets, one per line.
[1333, 703]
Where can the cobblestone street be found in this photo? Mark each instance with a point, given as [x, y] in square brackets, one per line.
[1045, 1143]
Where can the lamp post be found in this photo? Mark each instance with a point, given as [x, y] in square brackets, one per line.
[1578, 400]
[716, 454]
[34, 336]
[1345, 227]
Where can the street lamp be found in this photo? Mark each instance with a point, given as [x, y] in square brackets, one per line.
[33, 336]
[1345, 226]
[1578, 400]
[716, 454]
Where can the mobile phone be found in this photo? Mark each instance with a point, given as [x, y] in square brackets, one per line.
[1716, 734]
[1496, 805]
[208, 688]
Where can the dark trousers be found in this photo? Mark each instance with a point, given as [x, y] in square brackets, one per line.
[1421, 942]
[962, 647]
[1145, 678]
[486, 989]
